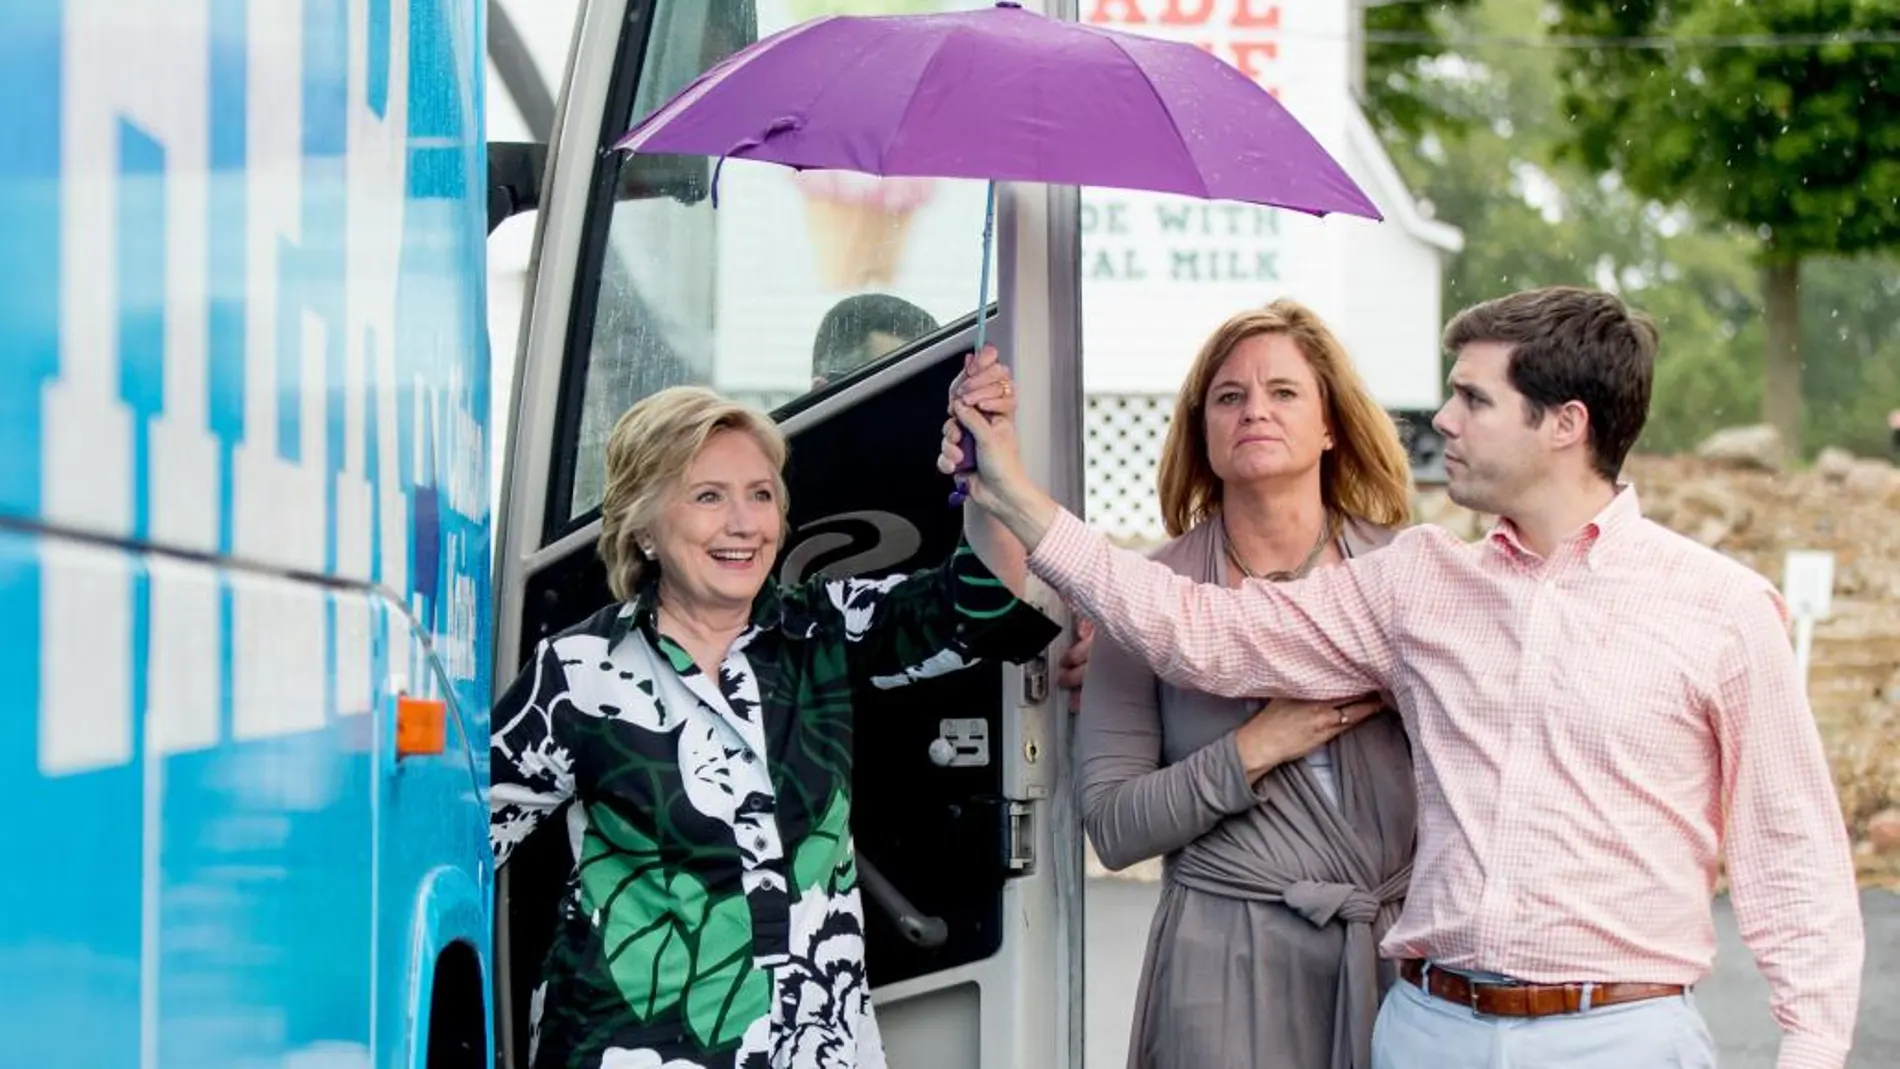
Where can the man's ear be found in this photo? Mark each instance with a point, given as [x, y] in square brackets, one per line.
[1571, 426]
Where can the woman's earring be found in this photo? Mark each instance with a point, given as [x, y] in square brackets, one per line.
[646, 550]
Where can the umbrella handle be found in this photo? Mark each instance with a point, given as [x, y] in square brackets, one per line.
[962, 492]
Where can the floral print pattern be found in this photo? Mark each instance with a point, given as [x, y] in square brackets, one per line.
[713, 920]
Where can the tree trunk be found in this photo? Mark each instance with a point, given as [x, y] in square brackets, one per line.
[1781, 377]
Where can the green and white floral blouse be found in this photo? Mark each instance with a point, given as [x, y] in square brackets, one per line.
[713, 917]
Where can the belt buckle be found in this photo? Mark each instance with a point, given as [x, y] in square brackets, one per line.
[1471, 986]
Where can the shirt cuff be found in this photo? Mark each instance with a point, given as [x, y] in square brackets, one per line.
[1233, 793]
[992, 623]
[1062, 556]
[975, 591]
[1810, 1052]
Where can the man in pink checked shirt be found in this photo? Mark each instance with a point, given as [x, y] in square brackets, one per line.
[1599, 710]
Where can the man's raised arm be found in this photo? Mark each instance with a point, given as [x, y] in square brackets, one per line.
[1315, 638]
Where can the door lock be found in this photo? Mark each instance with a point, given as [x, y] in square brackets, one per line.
[1036, 680]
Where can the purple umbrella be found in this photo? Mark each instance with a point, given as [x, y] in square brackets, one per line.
[1005, 95]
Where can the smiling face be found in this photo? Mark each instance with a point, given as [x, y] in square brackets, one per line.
[719, 533]
[1266, 418]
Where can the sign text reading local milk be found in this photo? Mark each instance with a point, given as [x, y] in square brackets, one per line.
[1200, 242]
[1160, 271]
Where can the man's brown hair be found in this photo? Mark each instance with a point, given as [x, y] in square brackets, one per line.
[1572, 344]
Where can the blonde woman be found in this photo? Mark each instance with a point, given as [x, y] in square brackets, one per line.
[1288, 826]
[701, 728]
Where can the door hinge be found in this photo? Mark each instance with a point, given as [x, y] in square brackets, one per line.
[1019, 838]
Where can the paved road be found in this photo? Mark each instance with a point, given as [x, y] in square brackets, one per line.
[1735, 998]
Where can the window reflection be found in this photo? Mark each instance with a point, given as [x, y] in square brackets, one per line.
[797, 280]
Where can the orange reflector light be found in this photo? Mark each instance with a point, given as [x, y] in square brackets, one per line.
[421, 726]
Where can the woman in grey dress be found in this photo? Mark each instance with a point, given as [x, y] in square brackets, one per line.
[1288, 828]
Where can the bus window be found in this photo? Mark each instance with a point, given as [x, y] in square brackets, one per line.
[795, 282]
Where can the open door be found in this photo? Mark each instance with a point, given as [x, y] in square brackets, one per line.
[969, 850]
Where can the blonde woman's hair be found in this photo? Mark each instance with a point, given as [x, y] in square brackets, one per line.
[1365, 475]
[648, 452]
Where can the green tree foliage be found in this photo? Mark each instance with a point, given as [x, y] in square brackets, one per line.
[1748, 118]
[1405, 41]
[1503, 168]
[1850, 334]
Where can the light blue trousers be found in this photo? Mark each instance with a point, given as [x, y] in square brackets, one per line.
[1418, 1031]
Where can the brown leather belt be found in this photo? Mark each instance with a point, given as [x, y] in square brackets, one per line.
[1527, 1000]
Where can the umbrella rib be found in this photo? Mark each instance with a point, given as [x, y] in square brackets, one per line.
[706, 83]
[863, 56]
[1173, 123]
[903, 120]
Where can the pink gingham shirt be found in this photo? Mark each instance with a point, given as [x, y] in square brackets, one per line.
[1589, 730]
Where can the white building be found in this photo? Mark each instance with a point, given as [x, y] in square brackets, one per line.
[1164, 271]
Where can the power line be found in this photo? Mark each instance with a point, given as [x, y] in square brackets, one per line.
[1577, 42]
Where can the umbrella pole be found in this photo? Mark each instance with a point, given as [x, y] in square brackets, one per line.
[983, 288]
[962, 492]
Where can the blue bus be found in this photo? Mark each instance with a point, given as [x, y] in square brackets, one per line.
[245, 534]
[256, 600]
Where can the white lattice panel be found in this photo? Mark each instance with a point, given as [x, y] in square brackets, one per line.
[1122, 440]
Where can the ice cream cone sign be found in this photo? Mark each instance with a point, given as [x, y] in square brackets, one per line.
[859, 224]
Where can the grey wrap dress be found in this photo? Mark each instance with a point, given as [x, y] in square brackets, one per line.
[1263, 953]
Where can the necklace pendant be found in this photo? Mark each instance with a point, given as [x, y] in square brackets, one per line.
[1326, 534]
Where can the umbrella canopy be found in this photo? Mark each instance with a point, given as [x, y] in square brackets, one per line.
[1002, 94]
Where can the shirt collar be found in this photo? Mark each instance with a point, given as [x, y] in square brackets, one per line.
[1604, 529]
[640, 612]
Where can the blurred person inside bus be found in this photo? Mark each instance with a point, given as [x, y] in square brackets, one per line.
[1287, 826]
[860, 329]
[701, 728]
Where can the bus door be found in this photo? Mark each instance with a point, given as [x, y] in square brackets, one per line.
[969, 851]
